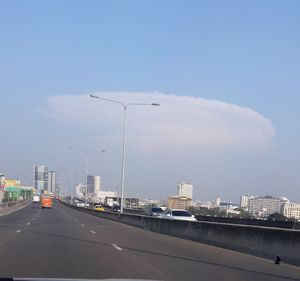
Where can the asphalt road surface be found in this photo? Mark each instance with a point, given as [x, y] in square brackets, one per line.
[65, 243]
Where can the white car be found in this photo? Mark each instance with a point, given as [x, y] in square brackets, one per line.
[36, 199]
[81, 204]
[179, 214]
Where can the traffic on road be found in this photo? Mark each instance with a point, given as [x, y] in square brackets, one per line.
[65, 243]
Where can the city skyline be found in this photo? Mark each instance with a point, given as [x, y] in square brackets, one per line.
[184, 190]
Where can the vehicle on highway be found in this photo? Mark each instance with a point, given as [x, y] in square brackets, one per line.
[155, 212]
[116, 209]
[99, 208]
[46, 201]
[82, 204]
[179, 214]
[36, 199]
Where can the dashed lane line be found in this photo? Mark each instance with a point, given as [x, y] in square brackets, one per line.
[93, 231]
[117, 247]
[19, 230]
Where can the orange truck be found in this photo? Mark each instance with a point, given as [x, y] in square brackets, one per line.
[46, 201]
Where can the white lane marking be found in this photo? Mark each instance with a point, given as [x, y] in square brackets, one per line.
[82, 224]
[19, 230]
[117, 247]
[36, 216]
[93, 231]
[28, 223]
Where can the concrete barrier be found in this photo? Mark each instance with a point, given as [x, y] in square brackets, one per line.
[255, 240]
[8, 207]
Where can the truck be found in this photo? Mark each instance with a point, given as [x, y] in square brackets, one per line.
[46, 201]
[36, 199]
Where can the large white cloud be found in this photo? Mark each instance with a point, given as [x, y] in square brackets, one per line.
[180, 121]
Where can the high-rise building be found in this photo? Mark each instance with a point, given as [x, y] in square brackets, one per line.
[264, 206]
[218, 202]
[93, 184]
[244, 202]
[40, 177]
[52, 182]
[185, 189]
[291, 210]
[79, 191]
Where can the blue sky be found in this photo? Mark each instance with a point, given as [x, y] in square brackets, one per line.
[239, 52]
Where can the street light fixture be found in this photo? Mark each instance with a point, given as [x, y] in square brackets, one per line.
[125, 106]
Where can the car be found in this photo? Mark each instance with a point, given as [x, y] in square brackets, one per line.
[155, 212]
[79, 204]
[179, 214]
[36, 199]
[82, 204]
[116, 209]
[99, 208]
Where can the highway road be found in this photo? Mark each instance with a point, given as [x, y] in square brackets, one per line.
[65, 243]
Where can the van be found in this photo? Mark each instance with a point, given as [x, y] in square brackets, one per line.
[46, 202]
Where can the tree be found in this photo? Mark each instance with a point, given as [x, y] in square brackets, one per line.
[277, 217]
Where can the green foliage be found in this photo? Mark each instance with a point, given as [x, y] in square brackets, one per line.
[277, 217]
[213, 212]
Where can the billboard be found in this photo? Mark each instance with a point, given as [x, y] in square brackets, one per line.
[12, 183]
[9, 184]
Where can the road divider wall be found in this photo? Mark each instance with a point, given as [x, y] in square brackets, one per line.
[255, 240]
[8, 207]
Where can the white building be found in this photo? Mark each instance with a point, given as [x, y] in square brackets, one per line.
[185, 190]
[244, 202]
[228, 206]
[264, 206]
[218, 202]
[101, 195]
[79, 192]
[51, 181]
[291, 210]
[93, 184]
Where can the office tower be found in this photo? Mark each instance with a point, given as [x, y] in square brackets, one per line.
[185, 189]
[41, 177]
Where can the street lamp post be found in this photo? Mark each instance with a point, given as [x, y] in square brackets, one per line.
[125, 106]
[86, 177]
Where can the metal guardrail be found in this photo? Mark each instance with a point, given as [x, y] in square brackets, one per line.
[9, 204]
[254, 222]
